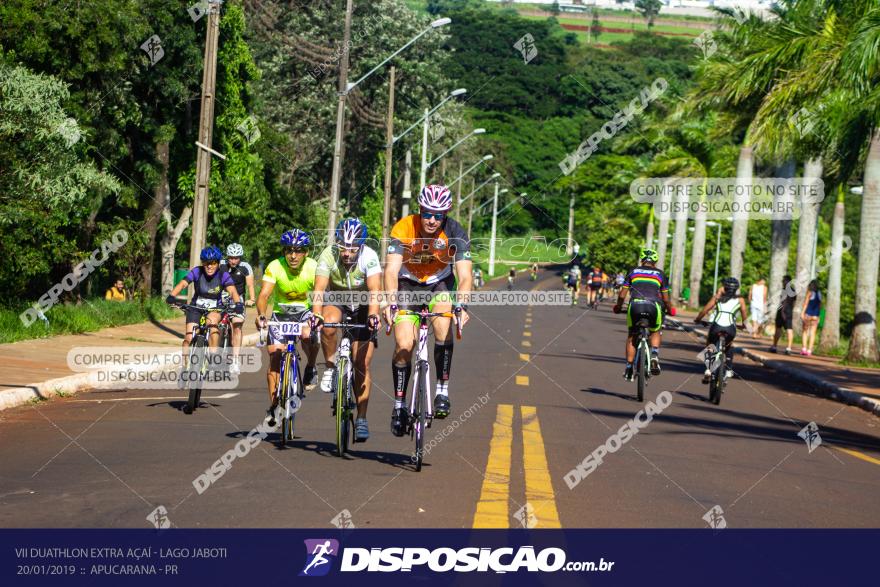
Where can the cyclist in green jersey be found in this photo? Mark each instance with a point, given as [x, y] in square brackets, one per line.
[290, 278]
[349, 265]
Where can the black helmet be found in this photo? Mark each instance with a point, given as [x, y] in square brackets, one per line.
[731, 285]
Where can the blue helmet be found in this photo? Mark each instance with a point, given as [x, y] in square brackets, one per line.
[351, 232]
[211, 254]
[296, 238]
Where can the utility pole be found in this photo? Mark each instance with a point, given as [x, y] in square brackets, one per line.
[471, 206]
[407, 188]
[206, 130]
[389, 150]
[494, 227]
[424, 172]
[340, 121]
[568, 243]
[458, 196]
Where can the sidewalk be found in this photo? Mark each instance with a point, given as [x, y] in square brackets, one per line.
[851, 385]
[38, 368]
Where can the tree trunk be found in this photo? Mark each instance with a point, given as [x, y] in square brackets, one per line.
[663, 229]
[698, 255]
[161, 195]
[169, 244]
[679, 240]
[863, 344]
[779, 241]
[649, 230]
[806, 235]
[831, 330]
[740, 232]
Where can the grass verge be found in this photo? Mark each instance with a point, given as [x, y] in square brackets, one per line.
[90, 316]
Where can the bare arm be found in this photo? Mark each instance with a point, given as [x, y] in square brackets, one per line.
[263, 300]
[249, 281]
[321, 282]
[706, 309]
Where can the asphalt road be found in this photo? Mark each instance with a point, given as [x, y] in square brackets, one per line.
[552, 393]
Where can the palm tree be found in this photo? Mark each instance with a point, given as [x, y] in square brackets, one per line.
[807, 227]
[690, 151]
[838, 67]
[831, 330]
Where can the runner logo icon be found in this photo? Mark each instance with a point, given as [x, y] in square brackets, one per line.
[320, 554]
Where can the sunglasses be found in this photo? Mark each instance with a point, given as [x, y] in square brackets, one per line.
[297, 250]
[434, 215]
[211, 263]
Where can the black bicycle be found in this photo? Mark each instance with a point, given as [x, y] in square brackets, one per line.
[198, 360]
[717, 363]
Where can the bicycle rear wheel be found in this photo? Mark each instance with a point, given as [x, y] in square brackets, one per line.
[643, 356]
[197, 356]
[717, 382]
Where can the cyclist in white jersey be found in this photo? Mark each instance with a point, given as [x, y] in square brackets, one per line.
[727, 303]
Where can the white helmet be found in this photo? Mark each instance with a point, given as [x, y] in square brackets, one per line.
[235, 250]
[436, 198]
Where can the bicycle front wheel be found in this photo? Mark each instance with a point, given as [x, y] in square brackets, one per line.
[288, 388]
[419, 418]
[342, 415]
[197, 365]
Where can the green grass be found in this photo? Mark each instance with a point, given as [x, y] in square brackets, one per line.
[525, 250]
[90, 316]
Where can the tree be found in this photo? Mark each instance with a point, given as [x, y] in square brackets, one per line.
[46, 179]
[649, 9]
[595, 26]
[830, 337]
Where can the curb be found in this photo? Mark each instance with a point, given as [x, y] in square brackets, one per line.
[822, 387]
[70, 384]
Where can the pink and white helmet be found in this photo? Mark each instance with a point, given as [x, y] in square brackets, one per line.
[435, 198]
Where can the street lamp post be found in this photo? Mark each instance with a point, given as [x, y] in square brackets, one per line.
[492, 239]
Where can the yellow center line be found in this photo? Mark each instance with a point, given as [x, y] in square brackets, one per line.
[526, 343]
[524, 357]
[527, 334]
[492, 509]
[539, 487]
[522, 379]
[857, 455]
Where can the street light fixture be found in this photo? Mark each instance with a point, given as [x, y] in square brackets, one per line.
[428, 113]
[434, 25]
[476, 131]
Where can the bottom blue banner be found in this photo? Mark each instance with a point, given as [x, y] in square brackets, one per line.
[371, 557]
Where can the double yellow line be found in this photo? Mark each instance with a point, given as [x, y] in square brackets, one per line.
[493, 509]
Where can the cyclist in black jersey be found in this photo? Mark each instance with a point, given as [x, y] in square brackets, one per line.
[243, 277]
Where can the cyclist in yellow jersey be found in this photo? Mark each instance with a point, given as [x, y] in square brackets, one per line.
[290, 278]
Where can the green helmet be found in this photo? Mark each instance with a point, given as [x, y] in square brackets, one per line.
[649, 255]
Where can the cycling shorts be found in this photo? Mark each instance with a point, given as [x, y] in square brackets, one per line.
[275, 337]
[644, 311]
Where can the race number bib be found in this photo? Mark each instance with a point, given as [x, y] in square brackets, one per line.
[289, 328]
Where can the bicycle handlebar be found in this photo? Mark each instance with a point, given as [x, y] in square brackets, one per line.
[454, 315]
